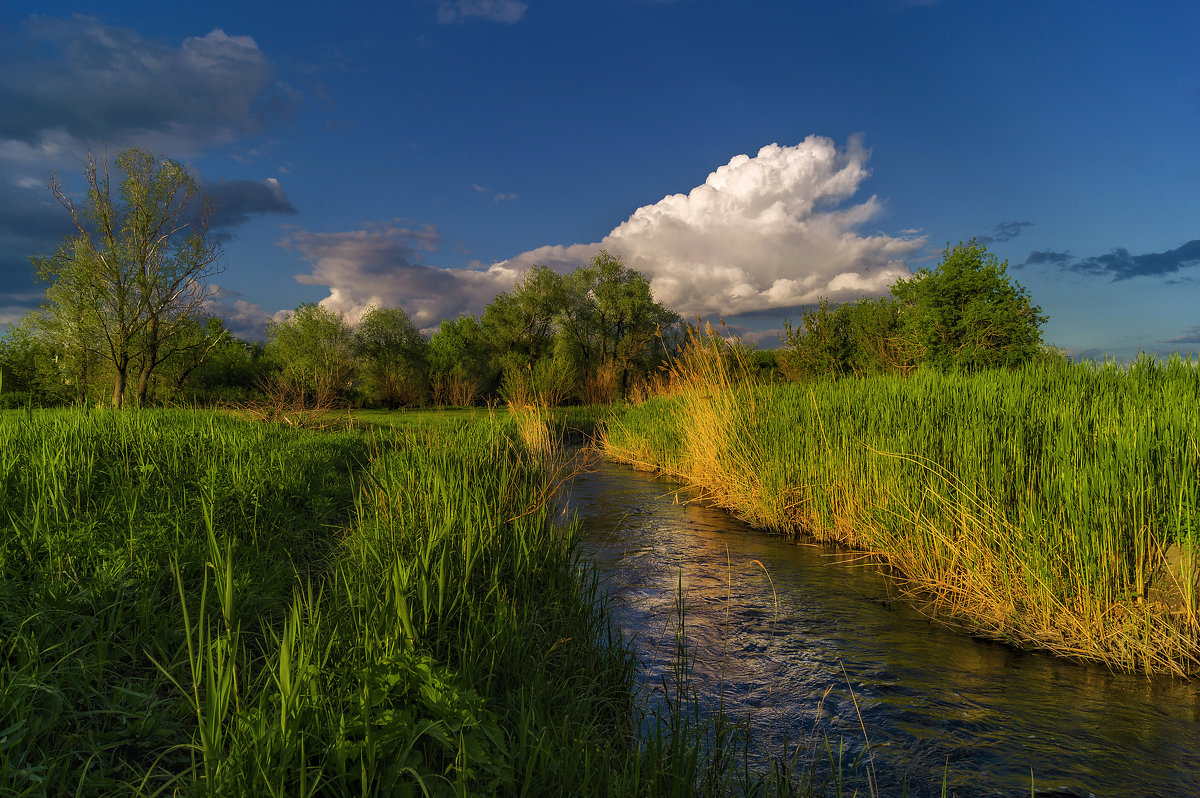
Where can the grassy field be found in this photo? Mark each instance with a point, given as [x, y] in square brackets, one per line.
[1055, 507]
[200, 605]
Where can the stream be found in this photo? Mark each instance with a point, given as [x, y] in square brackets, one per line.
[810, 647]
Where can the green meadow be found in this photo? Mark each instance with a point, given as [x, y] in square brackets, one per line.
[193, 604]
[1055, 506]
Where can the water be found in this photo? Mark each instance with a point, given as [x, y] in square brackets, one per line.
[810, 647]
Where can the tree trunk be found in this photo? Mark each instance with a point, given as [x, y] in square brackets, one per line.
[119, 386]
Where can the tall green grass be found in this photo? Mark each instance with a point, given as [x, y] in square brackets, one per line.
[192, 604]
[1054, 506]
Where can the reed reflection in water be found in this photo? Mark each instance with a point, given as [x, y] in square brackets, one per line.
[809, 645]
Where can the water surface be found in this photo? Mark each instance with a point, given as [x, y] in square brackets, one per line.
[809, 646]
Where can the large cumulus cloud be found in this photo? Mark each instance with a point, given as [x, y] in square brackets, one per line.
[762, 234]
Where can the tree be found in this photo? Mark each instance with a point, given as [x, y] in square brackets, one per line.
[820, 346]
[313, 350]
[520, 323]
[232, 371]
[460, 362]
[967, 313]
[131, 282]
[612, 325]
[393, 357]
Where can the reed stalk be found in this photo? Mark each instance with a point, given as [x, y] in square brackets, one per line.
[1055, 507]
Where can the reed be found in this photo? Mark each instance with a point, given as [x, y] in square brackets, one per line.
[1056, 506]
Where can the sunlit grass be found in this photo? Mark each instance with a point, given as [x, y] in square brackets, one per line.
[1057, 507]
[193, 604]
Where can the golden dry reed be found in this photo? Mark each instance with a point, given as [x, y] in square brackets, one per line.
[1056, 507]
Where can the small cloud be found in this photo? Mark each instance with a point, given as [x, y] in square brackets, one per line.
[503, 197]
[1120, 264]
[246, 320]
[1047, 257]
[1191, 336]
[479, 188]
[235, 201]
[1004, 231]
[508, 11]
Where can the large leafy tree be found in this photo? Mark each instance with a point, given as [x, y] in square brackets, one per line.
[612, 325]
[460, 361]
[313, 349]
[967, 313]
[856, 338]
[520, 323]
[393, 357]
[130, 284]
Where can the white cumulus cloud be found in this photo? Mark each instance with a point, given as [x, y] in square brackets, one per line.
[762, 234]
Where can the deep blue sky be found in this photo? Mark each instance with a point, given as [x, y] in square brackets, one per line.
[421, 153]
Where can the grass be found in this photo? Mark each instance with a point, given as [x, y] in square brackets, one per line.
[197, 604]
[1053, 507]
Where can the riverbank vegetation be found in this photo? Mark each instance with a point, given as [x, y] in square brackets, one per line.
[1054, 505]
[193, 604]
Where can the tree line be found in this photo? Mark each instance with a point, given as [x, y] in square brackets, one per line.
[125, 321]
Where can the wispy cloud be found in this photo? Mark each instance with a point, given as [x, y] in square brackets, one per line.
[1004, 231]
[235, 201]
[495, 10]
[1120, 264]
[1047, 258]
[496, 197]
[1191, 336]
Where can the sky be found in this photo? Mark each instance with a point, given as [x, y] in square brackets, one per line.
[748, 158]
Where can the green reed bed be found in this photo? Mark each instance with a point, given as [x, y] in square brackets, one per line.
[1057, 507]
[194, 604]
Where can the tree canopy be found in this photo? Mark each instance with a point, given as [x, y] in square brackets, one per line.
[967, 313]
[129, 286]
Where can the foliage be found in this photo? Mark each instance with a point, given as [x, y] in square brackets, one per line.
[612, 328]
[967, 314]
[29, 369]
[232, 371]
[392, 358]
[460, 362]
[313, 351]
[519, 324]
[586, 334]
[129, 285]
[820, 346]
[857, 338]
